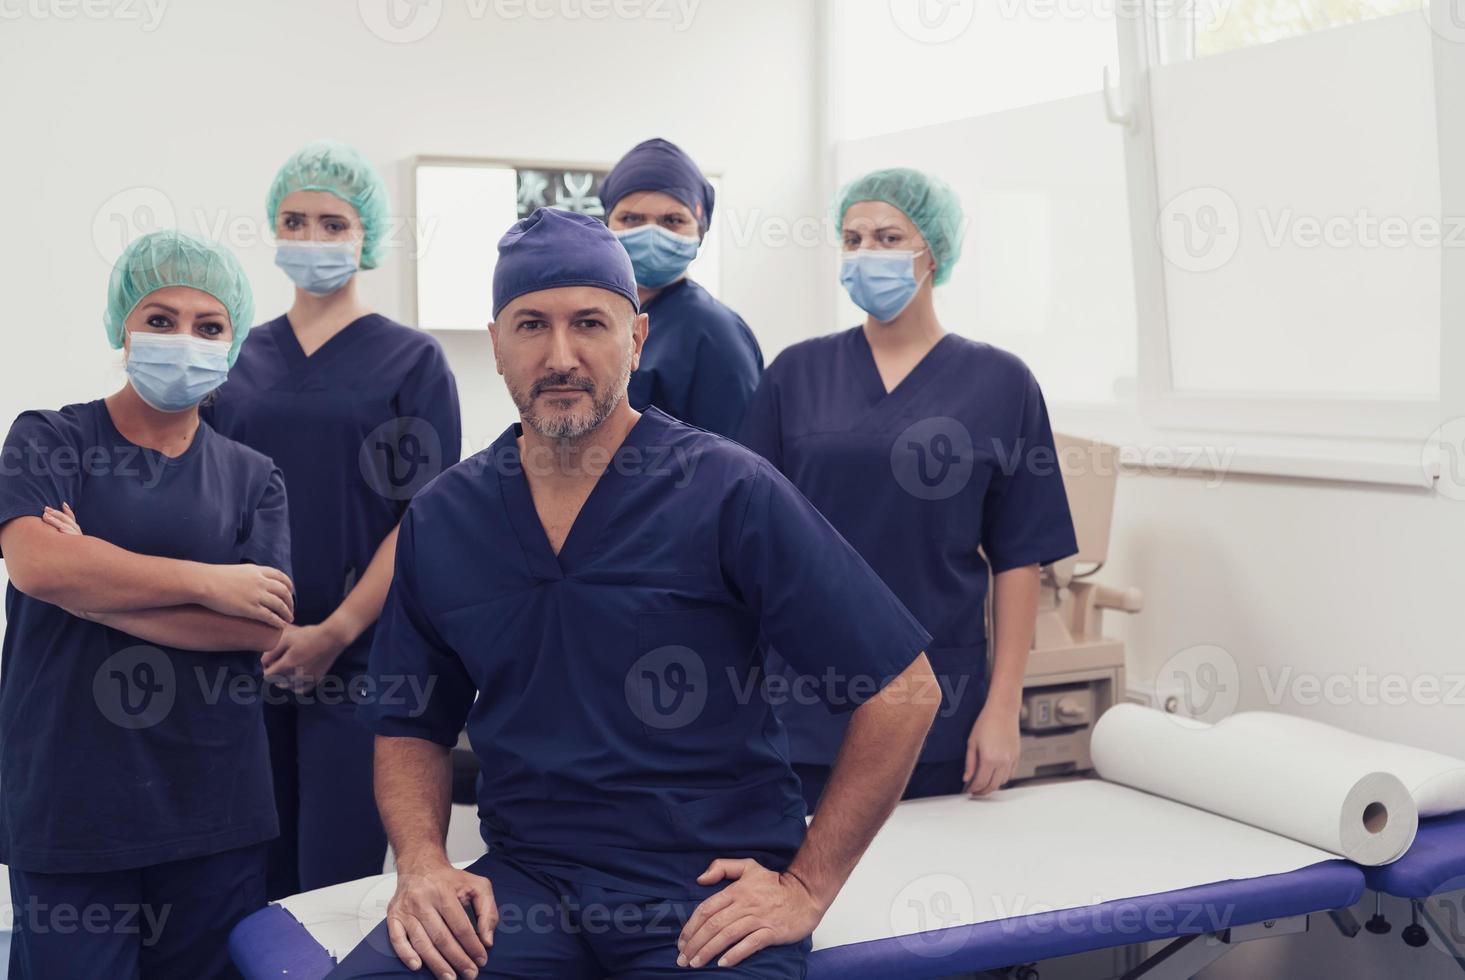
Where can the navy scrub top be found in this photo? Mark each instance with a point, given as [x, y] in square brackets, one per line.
[959, 456]
[622, 721]
[357, 428]
[115, 753]
[700, 363]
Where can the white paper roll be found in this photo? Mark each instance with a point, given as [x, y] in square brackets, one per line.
[1435, 780]
[1287, 779]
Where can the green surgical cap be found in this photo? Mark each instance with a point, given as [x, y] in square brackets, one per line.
[336, 168]
[928, 201]
[172, 258]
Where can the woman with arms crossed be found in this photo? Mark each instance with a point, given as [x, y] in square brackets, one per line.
[134, 776]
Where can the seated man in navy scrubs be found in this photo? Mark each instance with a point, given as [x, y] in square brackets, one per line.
[587, 594]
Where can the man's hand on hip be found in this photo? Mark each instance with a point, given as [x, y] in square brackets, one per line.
[760, 908]
[429, 925]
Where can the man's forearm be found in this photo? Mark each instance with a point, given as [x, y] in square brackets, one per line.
[193, 628]
[874, 764]
[414, 787]
[83, 572]
[1014, 615]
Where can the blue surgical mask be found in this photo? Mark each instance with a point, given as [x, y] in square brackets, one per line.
[659, 256]
[881, 281]
[173, 372]
[319, 268]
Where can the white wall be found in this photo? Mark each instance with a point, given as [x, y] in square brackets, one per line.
[107, 123]
[103, 118]
[1294, 579]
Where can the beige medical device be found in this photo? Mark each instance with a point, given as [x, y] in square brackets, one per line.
[1075, 672]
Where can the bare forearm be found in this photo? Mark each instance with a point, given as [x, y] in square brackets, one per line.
[82, 572]
[363, 606]
[414, 782]
[1014, 615]
[193, 628]
[875, 762]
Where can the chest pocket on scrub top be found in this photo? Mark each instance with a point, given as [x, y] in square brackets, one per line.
[938, 464]
[689, 668]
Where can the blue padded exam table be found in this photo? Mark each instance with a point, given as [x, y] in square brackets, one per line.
[1030, 873]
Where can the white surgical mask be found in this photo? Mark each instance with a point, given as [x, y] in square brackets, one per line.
[172, 372]
[881, 281]
[319, 268]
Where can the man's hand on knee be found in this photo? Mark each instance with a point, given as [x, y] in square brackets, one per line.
[760, 908]
[429, 926]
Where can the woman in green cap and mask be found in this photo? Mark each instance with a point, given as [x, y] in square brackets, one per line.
[149, 564]
[933, 456]
[359, 412]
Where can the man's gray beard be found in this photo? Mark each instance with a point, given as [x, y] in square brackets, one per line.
[570, 428]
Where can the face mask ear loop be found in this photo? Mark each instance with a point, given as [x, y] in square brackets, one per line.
[932, 273]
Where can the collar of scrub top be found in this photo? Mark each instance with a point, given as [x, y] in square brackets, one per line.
[551, 249]
[660, 165]
[892, 407]
[591, 523]
[154, 457]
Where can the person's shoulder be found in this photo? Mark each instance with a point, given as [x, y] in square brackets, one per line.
[813, 351]
[263, 336]
[715, 456]
[402, 335]
[724, 468]
[472, 478]
[985, 353]
[266, 330]
[987, 357]
[69, 424]
[711, 315]
[411, 347]
[240, 458]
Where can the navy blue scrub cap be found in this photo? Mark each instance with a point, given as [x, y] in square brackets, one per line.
[553, 248]
[660, 165]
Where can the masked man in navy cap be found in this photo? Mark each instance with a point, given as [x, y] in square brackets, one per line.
[700, 363]
[587, 596]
